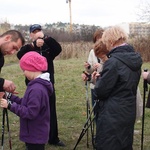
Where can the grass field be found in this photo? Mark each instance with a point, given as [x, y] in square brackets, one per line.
[71, 106]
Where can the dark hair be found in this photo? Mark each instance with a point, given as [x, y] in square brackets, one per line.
[97, 34]
[15, 35]
[100, 48]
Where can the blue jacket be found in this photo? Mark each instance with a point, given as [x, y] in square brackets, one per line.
[33, 110]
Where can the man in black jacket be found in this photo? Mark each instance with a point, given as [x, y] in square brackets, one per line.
[49, 48]
[10, 42]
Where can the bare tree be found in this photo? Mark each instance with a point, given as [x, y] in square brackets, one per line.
[144, 12]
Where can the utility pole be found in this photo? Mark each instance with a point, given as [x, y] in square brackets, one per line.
[70, 15]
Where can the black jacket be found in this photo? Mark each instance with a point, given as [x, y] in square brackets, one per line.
[1, 65]
[116, 90]
[49, 50]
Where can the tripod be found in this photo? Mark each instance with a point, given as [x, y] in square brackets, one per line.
[145, 88]
[5, 114]
[89, 122]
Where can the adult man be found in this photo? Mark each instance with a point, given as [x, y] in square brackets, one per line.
[49, 48]
[10, 42]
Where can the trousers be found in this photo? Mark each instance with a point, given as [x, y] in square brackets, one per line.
[30, 146]
[53, 135]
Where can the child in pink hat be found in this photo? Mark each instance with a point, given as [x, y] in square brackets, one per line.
[33, 109]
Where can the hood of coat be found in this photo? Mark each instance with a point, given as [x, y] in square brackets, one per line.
[128, 56]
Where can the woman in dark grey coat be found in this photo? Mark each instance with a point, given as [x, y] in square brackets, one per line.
[116, 89]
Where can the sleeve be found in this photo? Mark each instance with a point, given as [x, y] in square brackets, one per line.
[1, 84]
[16, 99]
[24, 49]
[55, 47]
[106, 82]
[91, 62]
[31, 109]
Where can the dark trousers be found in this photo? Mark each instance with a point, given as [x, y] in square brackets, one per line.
[30, 146]
[93, 97]
[53, 135]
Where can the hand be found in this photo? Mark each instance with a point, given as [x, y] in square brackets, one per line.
[96, 65]
[95, 75]
[39, 42]
[87, 65]
[84, 77]
[3, 102]
[9, 86]
[145, 75]
[2, 94]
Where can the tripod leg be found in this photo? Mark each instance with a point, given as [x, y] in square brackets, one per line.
[145, 88]
[143, 117]
[87, 110]
[9, 136]
[3, 129]
[86, 126]
[92, 121]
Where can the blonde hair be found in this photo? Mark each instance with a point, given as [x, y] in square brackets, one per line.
[114, 35]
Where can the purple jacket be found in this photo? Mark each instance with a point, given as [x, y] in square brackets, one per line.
[33, 110]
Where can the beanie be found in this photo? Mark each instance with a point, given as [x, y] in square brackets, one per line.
[33, 61]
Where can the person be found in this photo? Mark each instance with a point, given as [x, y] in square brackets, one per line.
[116, 89]
[93, 63]
[33, 109]
[49, 48]
[10, 42]
[101, 52]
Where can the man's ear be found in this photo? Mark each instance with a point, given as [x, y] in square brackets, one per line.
[7, 38]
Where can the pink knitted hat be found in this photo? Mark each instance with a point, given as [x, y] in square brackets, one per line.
[33, 61]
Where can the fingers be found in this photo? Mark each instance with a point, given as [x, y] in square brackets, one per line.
[96, 65]
[15, 92]
[39, 42]
[3, 103]
[9, 86]
[84, 77]
[145, 75]
[86, 65]
[2, 94]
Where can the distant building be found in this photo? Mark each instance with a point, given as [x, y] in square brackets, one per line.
[141, 29]
[136, 28]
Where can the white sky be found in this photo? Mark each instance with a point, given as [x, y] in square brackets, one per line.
[90, 12]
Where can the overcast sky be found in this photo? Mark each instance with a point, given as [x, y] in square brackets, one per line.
[90, 12]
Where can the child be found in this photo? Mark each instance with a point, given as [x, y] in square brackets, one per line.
[33, 108]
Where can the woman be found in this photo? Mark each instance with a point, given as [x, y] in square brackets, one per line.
[116, 89]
